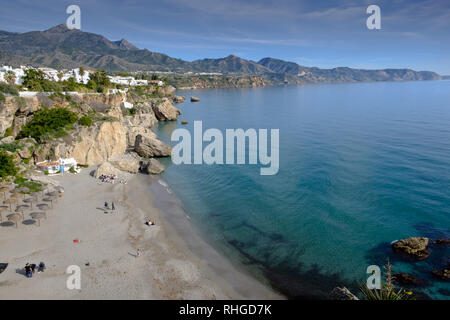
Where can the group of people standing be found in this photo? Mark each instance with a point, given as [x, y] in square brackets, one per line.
[30, 269]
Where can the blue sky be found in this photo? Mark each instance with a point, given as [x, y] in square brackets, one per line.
[414, 34]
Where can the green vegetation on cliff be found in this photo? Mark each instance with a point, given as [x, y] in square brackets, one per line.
[47, 123]
[7, 166]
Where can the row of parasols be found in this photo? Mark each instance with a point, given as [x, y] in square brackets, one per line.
[17, 201]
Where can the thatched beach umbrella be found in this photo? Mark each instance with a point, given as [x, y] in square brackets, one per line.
[21, 208]
[38, 216]
[4, 190]
[30, 201]
[15, 218]
[10, 201]
[43, 206]
[15, 196]
[3, 208]
[48, 199]
[20, 191]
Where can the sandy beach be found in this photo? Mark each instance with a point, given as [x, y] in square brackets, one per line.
[175, 263]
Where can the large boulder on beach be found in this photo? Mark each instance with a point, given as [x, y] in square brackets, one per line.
[104, 169]
[148, 147]
[151, 166]
[126, 162]
[342, 294]
[165, 111]
[415, 247]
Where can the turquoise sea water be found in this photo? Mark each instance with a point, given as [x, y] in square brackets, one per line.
[360, 166]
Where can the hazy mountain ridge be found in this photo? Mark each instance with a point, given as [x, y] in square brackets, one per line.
[59, 47]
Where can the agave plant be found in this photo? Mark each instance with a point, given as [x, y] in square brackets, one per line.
[387, 290]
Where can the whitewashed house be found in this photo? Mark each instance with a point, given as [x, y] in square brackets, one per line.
[60, 166]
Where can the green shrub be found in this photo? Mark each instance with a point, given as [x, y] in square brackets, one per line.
[7, 166]
[11, 147]
[32, 186]
[8, 132]
[35, 80]
[2, 97]
[9, 89]
[85, 121]
[48, 122]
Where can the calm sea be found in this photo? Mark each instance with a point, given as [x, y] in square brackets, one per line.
[361, 165]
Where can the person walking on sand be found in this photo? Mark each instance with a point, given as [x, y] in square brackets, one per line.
[106, 205]
[112, 206]
[138, 253]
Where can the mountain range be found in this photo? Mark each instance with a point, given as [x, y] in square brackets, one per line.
[60, 47]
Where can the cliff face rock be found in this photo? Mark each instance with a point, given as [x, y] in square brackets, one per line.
[133, 132]
[151, 166]
[96, 147]
[165, 111]
[415, 247]
[146, 120]
[148, 147]
[90, 146]
[14, 112]
[101, 101]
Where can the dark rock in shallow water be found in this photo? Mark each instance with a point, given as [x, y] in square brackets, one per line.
[408, 279]
[445, 242]
[442, 274]
[415, 247]
[342, 294]
[184, 122]
[195, 99]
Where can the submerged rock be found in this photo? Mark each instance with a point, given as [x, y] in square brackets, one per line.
[442, 274]
[415, 247]
[342, 294]
[151, 166]
[444, 242]
[148, 147]
[408, 279]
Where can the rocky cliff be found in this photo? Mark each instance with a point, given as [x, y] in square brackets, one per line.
[112, 134]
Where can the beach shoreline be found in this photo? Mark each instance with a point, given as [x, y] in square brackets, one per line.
[175, 262]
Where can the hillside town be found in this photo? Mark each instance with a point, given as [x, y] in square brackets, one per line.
[15, 76]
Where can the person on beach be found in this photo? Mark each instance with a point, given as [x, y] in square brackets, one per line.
[138, 253]
[33, 268]
[28, 271]
[41, 267]
[112, 206]
[149, 222]
[106, 205]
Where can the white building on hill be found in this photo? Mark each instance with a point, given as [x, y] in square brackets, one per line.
[55, 75]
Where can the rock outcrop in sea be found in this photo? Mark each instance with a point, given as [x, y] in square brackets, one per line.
[415, 247]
